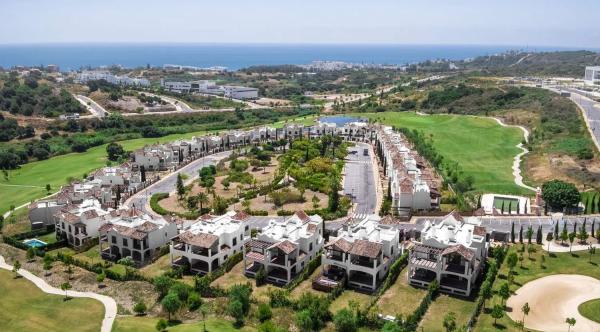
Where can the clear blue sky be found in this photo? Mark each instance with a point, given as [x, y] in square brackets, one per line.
[572, 23]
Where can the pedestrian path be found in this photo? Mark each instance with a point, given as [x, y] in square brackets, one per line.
[110, 306]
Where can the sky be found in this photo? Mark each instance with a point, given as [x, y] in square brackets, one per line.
[568, 23]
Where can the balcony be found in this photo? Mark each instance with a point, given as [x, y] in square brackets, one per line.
[455, 268]
[335, 257]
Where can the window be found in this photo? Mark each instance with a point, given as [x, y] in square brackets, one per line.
[310, 246]
[234, 241]
[125, 242]
[114, 239]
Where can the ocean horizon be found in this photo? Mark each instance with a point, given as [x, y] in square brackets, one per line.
[73, 56]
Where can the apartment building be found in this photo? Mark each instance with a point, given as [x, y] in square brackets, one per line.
[240, 92]
[79, 224]
[451, 251]
[284, 247]
[361, 254]
[207, 244]
[592, 75]
[94, 75]
[132, 233]
[413, 183]
[154, 158]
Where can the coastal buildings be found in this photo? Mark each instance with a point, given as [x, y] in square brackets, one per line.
[207, 244]
[210, 87]
[240, 92]
[87, 76]
[413, 183]
[592, 75]
[451, 251]
[284, 247]
[132, 233]
[361, 253]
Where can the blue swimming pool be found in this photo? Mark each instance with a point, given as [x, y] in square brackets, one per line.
[35, 243]
[341, 120]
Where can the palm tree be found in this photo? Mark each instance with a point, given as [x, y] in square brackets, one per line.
[525, 310]
[571, 322]
[202, 199]
[65, 286]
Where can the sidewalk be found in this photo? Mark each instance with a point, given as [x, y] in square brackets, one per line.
[110, 306]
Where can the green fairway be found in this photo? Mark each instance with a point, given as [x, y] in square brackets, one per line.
[24, 307]
[482, 147]
[143, 324]
[590, 310]
[56, 170]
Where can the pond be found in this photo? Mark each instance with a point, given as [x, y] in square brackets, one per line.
[341, 120]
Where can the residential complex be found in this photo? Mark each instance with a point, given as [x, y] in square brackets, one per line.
[361, 253]
[284, 247]
[132, 233]
[210, 87]
[207, 244]
[452, 252]
[87, 76]
[413, 182]
[592, 75]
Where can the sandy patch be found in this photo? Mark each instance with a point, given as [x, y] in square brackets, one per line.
[554, 298]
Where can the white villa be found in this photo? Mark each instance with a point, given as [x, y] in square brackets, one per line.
[361, 253]
[79, 223]
[154, 158]
[451, 251]
[413, 185]
[132, 233]
[207, 244]
[284, 247]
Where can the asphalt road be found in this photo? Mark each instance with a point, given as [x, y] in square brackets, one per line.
[359, 181]
[96, 109]
[168, 182]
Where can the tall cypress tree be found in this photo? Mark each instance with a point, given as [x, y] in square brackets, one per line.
[510, 207]
[512, 232]
[143, 173]
[539, 236]
[521, 234]
[556, 230]
[593, 226]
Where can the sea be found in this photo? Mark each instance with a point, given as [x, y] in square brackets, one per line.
[234, 56]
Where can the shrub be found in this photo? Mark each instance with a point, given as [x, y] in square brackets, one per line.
[345, 321]
[194, 301]
[264, 312]
[140, 308]
[261, 277]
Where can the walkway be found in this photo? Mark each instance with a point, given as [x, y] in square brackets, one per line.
[110, 306]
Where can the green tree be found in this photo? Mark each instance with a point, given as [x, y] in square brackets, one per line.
[504, 292]
[486, 291]
[236, 311]
[529, 234]
[180, 187]
[162, 284]
[65, 286]
[171, 304]
[582, 235]
[497, 313]
[100, 278]
[560, 195]
[334, 195]
[48, 188]
[345, 321]
[525, 310]
[202, 199]
[571, 322]
[304, 321]
[511, 260]
[450, 322]
[47, 267]
[30, 254]
[114, 151]
[140, 308]
[16, 268]
[572, 237]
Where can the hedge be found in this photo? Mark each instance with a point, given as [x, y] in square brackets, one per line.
[306, 273]
[202, 284]
[412, 321]
[130, 274]
[17, 241]
[163, 212]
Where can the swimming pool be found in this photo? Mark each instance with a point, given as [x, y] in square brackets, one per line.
[35, 243]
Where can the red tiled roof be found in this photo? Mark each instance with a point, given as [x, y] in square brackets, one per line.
[286, 246]
[366, 248]
[459, 249]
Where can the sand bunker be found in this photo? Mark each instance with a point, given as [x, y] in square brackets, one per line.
[554, 298]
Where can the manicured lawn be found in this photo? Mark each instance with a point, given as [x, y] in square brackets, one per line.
[401, 298]
[144, 324]
[590, 310]
[559, 263]
[434, 318]
[349, 295]
[308, 120]
[483, 148]
[56, 170]
[24, 307]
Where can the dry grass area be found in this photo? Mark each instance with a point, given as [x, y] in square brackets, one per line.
[542, 167]
[162, 265]
[306, 286]
[349, 295]
[401, 298]
[259, 203]
[236, 276]
[443, 304]
[125, 293]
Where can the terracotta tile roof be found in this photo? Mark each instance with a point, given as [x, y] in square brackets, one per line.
[479, 230]
[286, 246]
[258, 244]
[456, 215]
[311, 228]
[90, 214]
[340, 245]
[70, 218]
[105, 228]
[206, 217]
[202, 240]
[366, 248]
[406, 185]
[302, 216]
[459, 249]
[241, 216]
[147, 227]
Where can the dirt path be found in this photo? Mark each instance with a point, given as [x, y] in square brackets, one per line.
[554, 298]
[110, 306]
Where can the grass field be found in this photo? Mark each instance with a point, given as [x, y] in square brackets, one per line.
[590, 310]
[144, 324]
[559, 263]
[349, 295]
[434, 318]
[482, 147]
[401, 298]
[24, 307]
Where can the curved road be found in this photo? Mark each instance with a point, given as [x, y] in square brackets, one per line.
[110, 306]
[141, 199]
